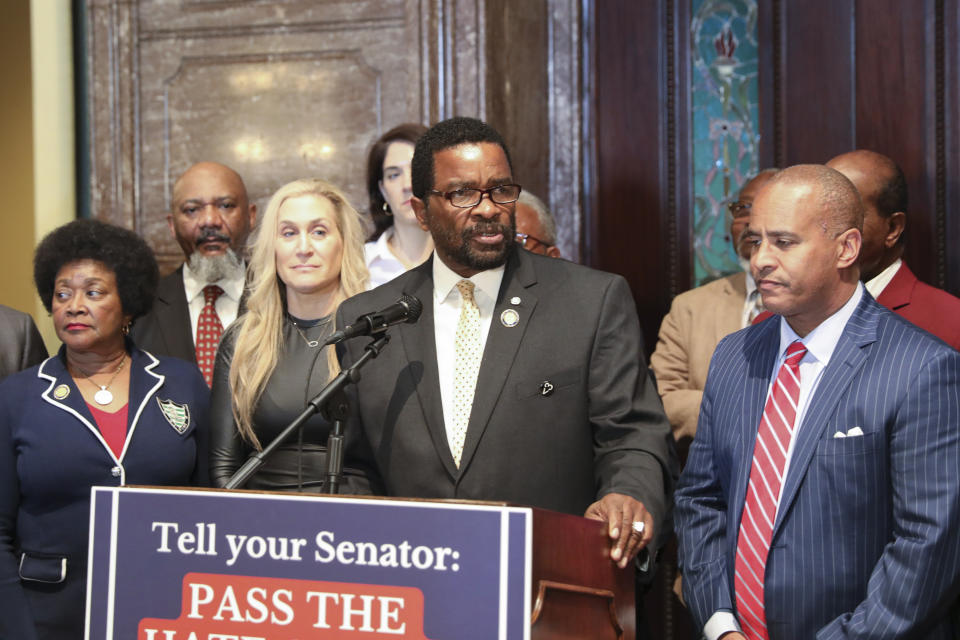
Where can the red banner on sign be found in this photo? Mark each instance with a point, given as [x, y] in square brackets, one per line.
[225, 607]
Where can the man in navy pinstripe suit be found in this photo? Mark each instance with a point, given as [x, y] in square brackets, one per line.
[865, 539]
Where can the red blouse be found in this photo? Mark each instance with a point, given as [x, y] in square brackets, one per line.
[113, 427]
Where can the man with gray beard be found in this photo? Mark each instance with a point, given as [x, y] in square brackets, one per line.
[211, 218]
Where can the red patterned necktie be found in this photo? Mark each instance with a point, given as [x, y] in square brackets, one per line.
[763, 493]
[209, 329]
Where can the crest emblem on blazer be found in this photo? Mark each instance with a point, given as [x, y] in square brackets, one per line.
[178, 415]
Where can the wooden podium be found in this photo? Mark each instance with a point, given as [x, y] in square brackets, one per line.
[578, 591]
[196, 564]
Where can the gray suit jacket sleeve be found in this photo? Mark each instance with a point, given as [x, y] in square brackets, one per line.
[631, 433]
[23, 346]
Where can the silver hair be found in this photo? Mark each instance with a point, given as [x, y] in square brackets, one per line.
[212, 268]
[543, 214]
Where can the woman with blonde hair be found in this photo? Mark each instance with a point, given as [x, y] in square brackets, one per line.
[306, 257]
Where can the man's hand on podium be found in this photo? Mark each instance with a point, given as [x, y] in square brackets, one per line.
[620, 512]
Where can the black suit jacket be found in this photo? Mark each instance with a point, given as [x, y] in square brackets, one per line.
[22, 345]
[166, 330]
[601, 428]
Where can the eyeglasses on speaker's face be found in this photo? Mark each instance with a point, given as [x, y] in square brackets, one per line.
[466, 198]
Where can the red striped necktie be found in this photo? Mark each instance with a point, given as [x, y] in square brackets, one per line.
[763, 493]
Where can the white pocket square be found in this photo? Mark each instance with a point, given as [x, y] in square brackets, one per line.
[855, 431]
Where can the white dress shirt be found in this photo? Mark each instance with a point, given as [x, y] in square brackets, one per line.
[227, 305]
[446, 316]
[879, 282]
[381, 263]
[750, 309]
[820, 344]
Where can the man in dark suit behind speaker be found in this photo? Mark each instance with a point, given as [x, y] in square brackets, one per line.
[524, 379]
[211, 218]
[885, 274]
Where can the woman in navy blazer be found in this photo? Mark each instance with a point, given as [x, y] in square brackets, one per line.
[101, 412]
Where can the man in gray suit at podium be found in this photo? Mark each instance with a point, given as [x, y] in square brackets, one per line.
[524, 379]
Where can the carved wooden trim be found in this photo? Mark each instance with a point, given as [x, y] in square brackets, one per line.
[605, 594]
[113, 191]
[673, 239]
[266, 29]
[452, 59]
[567, 174]
[588, 136]
[779, 144]
[940, 127]
[432, 83]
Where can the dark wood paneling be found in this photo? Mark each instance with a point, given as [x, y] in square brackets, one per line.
[638, 213]
[818, 101]
[638, 225]
[834, 75]
[518, 88]
[944, 182]
[838, 75]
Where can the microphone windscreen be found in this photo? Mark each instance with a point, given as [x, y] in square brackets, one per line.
[414, 306]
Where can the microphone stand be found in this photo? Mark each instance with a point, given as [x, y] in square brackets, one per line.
[333, 403]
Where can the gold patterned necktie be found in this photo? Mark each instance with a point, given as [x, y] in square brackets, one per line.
[467, 366]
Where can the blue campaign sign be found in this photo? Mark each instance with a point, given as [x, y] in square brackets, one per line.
[204, 565]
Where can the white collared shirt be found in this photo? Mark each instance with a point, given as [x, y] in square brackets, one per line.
[820, 344]
[749, 302]
[446, 316]
[879, 282]
[227, 305]
[381, 263]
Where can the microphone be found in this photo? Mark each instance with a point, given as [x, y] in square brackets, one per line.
[406, 309]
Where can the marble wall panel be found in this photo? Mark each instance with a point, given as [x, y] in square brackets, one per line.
[279, 89]
[184, 16]
[272, 116]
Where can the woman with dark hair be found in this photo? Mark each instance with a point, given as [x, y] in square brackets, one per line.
[99, 413]
[397, 243]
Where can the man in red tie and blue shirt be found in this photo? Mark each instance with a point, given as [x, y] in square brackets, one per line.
[821, 497]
